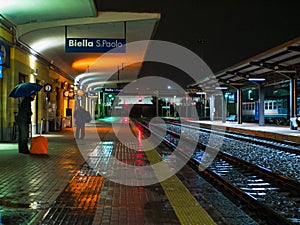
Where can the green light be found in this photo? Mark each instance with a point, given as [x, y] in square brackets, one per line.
[249, 95]
[35, 10]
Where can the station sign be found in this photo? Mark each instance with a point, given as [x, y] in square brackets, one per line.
[47, 87]
[112, 90]
[95, 45]
[93, 94]
[5, 54]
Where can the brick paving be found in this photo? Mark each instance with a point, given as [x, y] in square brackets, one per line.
[90, 199]
[31, 183]
[61, 188]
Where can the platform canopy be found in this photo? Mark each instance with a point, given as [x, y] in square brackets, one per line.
[276, 65]
[43, 27]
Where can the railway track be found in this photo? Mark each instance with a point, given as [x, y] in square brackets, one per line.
[271, 154]
[270, 196]
[285, 146]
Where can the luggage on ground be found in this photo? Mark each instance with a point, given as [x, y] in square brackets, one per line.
[39, 144]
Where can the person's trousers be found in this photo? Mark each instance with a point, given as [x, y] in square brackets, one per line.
[80, 130]
[23, 137]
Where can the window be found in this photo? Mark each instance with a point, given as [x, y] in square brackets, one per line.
[270, 105]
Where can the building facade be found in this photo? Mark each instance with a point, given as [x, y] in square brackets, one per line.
[19, 64]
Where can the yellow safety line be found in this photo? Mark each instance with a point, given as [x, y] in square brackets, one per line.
[186, 207]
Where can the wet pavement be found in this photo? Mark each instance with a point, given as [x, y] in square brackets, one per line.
[31, 183]
[61, 188]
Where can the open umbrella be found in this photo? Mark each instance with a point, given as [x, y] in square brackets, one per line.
[25, 89]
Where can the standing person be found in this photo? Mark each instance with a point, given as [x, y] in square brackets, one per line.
[81, 118]
[23, 120]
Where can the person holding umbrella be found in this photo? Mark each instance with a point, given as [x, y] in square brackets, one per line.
[23, 118]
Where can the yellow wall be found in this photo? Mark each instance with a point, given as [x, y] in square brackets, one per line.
[25, 64]
[6, 35]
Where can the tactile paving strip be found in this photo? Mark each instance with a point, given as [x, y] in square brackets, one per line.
[184, 204]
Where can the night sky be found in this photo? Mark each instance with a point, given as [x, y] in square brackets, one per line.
[232, 30]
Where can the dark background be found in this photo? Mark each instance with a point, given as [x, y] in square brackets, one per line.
[232, 30]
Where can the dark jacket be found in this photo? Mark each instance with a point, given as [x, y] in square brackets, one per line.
[81, 116]
[25, 113]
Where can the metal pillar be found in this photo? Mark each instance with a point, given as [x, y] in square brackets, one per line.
[261, 107]
[293, 97]
[224, 108]
[293, 103]
[239, 105]
[212, 107]
[99, 104]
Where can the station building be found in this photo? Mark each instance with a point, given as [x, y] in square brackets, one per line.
[19, 65]
[262, 89]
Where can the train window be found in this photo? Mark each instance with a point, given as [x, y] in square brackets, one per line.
[270, 105]
[252, 106]
[266, 105]
[274, 105]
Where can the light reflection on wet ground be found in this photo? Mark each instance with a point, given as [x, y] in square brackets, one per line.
[78, 201]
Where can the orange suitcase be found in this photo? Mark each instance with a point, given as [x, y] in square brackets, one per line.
[39, 144]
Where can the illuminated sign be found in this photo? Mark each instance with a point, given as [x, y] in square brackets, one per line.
[80, 92]
[95, 45]
[47, 87]
[231, 98]
[113, 90]
[66, 93]
[5, 54]
[93, 94]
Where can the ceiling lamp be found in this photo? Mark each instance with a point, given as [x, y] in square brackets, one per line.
[256, 79]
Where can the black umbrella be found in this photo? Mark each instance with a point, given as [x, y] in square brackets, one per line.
[25, 89]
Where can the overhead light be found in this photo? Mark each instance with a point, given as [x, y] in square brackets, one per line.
[256, 79]
[221, 88]
[286, 71]
[200, 93]
[34, 72]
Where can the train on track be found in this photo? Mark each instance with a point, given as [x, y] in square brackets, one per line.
[276, 111]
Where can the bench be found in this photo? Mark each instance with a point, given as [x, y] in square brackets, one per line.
[231, 118]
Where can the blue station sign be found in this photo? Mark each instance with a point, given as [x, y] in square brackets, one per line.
[95, 45]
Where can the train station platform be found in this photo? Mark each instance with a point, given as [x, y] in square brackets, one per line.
[283, 133]
[63, 188]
